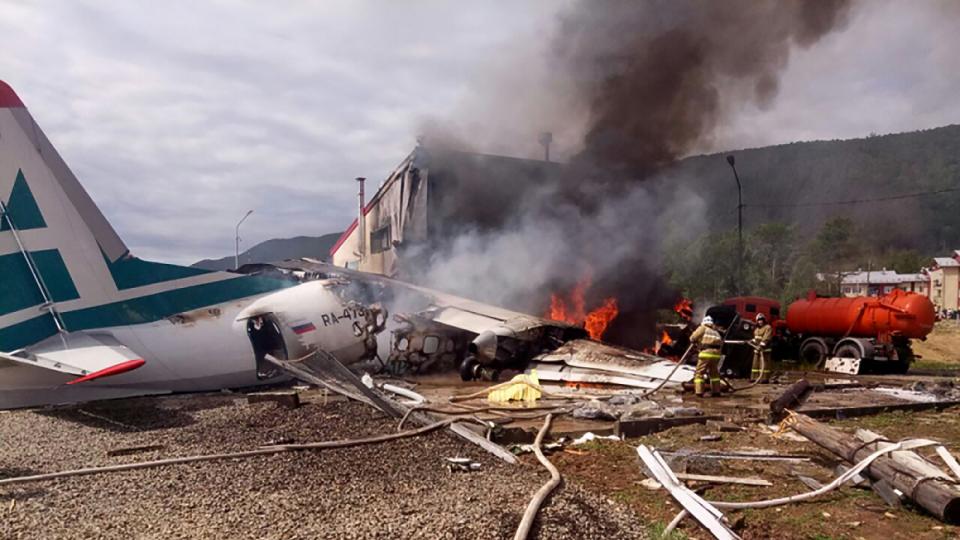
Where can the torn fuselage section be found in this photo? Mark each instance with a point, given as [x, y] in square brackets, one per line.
[295, 322]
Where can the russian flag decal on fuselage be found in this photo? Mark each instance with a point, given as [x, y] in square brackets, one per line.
[302, 327]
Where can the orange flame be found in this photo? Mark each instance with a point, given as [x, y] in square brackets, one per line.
[665, 339]
[684, 308]
[597, 321]
[573, 310]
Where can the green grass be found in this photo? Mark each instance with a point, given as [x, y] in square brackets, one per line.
[656, 532]
[625, 496]
[934, 365]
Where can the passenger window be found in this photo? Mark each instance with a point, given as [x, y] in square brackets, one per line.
[402, 344]
[431, 344]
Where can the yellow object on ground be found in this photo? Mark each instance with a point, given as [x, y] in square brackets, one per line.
[519, 388]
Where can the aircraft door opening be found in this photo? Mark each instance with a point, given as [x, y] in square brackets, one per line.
[266, 338]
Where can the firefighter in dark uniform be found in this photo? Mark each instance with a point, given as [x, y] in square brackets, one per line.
[709, 342]
[762, 357]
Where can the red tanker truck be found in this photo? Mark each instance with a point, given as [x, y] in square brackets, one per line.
[845, 331]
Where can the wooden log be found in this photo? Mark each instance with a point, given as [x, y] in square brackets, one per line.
[910, 460]
[791, 398]
[938, 496]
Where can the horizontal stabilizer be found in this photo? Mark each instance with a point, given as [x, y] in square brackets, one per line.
[88, 356]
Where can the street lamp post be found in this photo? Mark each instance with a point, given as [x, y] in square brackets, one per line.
[732, 162]
[236, 257]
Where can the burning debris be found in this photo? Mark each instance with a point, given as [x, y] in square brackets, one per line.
[572, 310]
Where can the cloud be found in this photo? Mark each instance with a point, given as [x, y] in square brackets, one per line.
[180, 116]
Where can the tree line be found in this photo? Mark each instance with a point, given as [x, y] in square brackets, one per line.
[779, 263]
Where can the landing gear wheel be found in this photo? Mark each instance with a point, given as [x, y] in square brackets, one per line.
[469, 369]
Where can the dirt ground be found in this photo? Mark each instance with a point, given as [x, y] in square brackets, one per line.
[942, 346]
[612, 469]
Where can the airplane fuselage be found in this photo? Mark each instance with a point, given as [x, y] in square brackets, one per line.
[203, 349]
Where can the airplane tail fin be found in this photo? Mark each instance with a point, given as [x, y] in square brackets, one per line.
[62, 265]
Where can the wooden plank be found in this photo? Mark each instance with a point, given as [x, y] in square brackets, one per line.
[741, 456]
[723, 479]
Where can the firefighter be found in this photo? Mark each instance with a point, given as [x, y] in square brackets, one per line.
[708, 341]
[762, 359]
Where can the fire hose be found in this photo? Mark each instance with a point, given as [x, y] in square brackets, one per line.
[526, 523]
[763, 365]
[680, 362]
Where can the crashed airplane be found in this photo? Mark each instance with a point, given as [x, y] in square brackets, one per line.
[83, 319]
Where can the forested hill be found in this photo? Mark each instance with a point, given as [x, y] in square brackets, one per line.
[823, 206]
[277, 249]
[790, 183]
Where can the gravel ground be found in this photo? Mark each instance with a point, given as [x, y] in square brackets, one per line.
[399, 489]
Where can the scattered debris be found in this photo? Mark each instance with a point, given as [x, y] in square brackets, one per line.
[455, 464]
[693, 504]
[590, 436]
[811, 483]
[594, 410]
[711, 437]
[856, 480]
[891, 496]
[951, 461]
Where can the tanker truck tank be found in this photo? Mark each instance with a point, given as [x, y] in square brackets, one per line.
[878, 328]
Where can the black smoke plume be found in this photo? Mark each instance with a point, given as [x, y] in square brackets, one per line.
[655, 78]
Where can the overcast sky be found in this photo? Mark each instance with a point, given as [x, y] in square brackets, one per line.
[179, 116]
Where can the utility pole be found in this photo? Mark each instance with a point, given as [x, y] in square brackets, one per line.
[732, 162]
[545, 139]
[236, 256]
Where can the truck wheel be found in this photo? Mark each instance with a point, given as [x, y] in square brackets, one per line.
[813, 352]
[848, 350]
[905, 358]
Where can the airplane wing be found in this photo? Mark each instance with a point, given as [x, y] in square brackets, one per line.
[88, 356]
